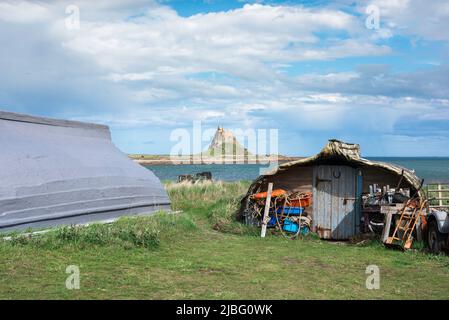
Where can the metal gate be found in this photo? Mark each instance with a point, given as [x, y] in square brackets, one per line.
[336, 190]
[436, 195]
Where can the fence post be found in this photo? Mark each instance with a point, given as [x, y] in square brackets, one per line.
[440, 195]
[266, 211]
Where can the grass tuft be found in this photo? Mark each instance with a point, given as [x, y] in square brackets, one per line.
[144, 231]
[216, 201]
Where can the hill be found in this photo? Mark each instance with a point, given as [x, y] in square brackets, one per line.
[224, 143]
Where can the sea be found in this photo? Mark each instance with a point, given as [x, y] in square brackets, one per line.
[435, 169]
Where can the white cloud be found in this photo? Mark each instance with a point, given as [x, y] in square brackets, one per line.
[424, 19]
[19, 11]
[137, 65]
[239, 42]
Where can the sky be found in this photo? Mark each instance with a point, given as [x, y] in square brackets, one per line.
[368, 72]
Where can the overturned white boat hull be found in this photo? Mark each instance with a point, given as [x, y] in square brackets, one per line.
[57, 172]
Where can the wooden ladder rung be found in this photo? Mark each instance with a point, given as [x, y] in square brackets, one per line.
[391, 239]
[409, 217]
[408, 244]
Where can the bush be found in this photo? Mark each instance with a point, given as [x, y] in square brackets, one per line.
[201, 196]
[218, 202]
[222, 218]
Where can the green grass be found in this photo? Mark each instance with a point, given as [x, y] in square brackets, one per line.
[227, 148]
[148, 156]
[202, 253]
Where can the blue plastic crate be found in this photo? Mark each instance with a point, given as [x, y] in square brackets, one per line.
[305, 230]
[290, 226]
[291, 210]
[272, 221]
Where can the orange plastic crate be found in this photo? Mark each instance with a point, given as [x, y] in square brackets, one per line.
[305, 201]
[275, 193]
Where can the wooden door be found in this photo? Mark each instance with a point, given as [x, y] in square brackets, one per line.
[334, 201]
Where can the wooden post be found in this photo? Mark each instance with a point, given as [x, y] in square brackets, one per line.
[266, 211]
[387, 226]
[418, 230]
[440, 195]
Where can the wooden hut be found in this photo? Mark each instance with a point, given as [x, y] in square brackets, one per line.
[337, 177]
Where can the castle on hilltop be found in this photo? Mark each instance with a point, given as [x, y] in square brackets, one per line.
[225, 143]
[222, 136]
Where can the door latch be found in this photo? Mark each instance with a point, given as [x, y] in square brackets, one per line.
[318, 180]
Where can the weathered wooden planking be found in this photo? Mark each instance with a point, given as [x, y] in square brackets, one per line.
[387, 226]
[266, 211]
[334, 201]
[298, 179]
[372, 175]
[393, 209]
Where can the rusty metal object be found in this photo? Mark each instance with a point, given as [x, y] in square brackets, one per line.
[193, 178]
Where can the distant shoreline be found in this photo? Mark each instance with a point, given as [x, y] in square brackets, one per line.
[147, 160]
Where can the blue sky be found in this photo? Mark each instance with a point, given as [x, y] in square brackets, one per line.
[313, 70]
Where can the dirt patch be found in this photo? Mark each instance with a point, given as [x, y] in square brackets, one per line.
[309, 262]
[292, 261]
[209, 271]
[320, 264]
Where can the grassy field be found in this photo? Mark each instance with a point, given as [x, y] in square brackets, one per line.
[148, 156]
[202, 253]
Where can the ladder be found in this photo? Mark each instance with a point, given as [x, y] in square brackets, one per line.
[410, 215]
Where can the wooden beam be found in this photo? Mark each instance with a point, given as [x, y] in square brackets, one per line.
[387, 226]
[419, 235]
[394, 209]
[438, 190]
[266, 211]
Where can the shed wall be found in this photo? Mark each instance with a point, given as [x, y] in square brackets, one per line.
[373, 175]
[298, 179]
